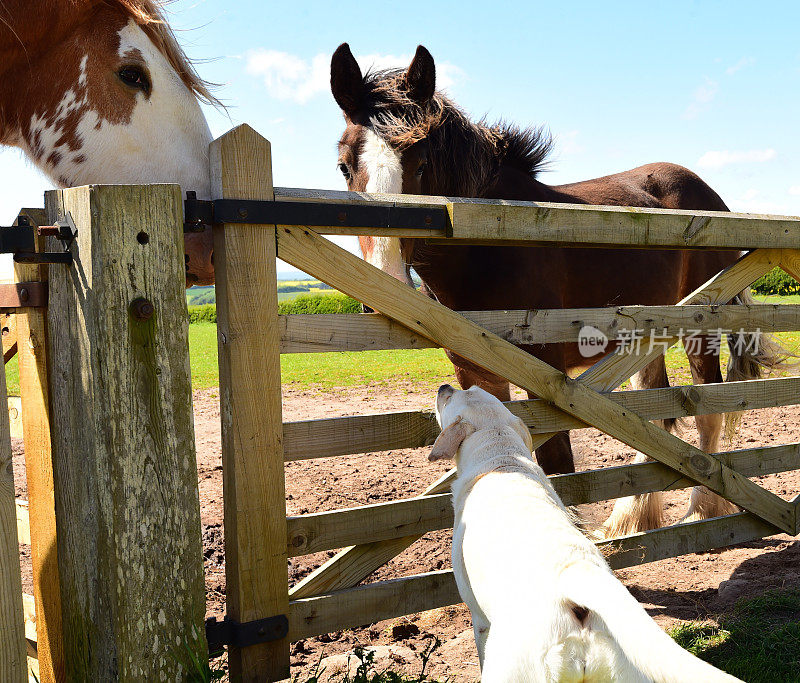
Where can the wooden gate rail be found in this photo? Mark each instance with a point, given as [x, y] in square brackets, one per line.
[491, 221]
[34, 374]
[353, 564]
[336, 266]
[336, 529]
[374, 602]
[13, 664]
[321, 438]
[373, 332]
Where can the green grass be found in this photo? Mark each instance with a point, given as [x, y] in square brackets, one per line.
[12, 377]
[775, 299]
[759, 641]
[327, 370]
[203, 355]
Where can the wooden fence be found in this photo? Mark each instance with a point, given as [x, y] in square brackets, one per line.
[139, 504]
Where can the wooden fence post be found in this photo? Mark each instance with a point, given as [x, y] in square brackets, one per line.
[250, 397]
[31, 333]
[13, 665]
[124, 465]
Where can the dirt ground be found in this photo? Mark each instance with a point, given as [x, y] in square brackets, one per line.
[686, 588]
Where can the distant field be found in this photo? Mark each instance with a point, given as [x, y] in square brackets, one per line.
[287, 289]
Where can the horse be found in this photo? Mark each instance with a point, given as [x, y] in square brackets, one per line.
[99, 91]
[403, 136]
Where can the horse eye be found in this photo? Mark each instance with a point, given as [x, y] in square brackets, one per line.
[345, 169]
[422, 168]
[135, 77]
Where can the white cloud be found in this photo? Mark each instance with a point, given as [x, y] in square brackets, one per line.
[567, 143]
[741, 64]
[289, 77]
[753, 201]
[703, 96]
[718, 159]
[794, 190]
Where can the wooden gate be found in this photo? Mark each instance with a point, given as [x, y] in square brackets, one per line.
[254, 451]
[259, 537]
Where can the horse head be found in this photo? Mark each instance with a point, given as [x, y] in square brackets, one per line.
[100, 92]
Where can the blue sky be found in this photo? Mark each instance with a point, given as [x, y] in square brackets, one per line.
[714, 86]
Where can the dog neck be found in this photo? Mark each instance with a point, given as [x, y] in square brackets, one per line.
[494, 449]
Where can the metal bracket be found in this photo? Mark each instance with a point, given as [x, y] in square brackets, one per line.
[202, 213]
[230, 632]
[20, 241]
[22, 295]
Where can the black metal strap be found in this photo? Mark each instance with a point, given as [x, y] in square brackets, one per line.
[230, 632]
[20, 240]
[200, 213]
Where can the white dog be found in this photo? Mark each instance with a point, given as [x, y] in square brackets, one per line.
[545, 605]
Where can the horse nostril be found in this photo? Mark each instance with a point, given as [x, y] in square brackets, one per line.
[212, 258]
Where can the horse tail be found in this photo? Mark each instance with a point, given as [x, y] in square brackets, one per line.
[754, 355]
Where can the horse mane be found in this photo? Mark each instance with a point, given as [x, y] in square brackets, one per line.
[149, 15]
[466, 155]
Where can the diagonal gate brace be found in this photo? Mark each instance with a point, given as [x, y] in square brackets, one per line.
[311, 253]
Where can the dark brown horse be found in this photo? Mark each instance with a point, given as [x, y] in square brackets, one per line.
[402, 136]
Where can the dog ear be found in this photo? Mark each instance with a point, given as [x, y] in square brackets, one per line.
[347, 83]
[520, 428]
[448, 442]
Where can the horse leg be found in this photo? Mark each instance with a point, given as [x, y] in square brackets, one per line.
[555, 455]
[633, 514]
[704, 363]
[470, 375]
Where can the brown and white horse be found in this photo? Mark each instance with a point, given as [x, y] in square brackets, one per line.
[402, 136]
[99, 91]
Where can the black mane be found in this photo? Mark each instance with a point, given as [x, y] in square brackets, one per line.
[465, 156]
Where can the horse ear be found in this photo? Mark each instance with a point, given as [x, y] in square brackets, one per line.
[449, 441]
[421, 76]
[347, 83]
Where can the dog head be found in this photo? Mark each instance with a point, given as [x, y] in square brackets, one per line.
[461, 413]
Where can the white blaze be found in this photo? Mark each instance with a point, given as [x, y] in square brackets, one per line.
[165, 141]
[385, 170]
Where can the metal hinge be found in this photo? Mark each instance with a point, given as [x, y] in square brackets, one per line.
[230, 632]
[20, 240]
[201, 213]
[23, 295]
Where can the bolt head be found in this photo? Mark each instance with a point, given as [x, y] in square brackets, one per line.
[142, 309]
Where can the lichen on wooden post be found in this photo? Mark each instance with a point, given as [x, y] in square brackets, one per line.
[129, 543]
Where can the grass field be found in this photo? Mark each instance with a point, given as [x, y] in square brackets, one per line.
[326, 370]
[759, 641]
[425, 366]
